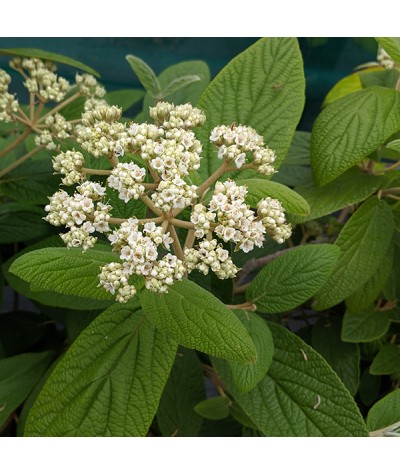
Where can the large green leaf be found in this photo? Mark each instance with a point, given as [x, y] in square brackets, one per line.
[247, 376]
[57, 58]
[348, 189]
[109, 382]
[351, 128]
[67, 271]
[184, 389]
[258, 189]
[198, 320]
[263, 87]
[18, 376]
[145, 74]
[387, 361]
[291, 279]
[299, 151]
[190, 93]
[385, 412]
[391, 45]
[367, 325]
[343, 357]
[300, 395]
[21, 222]
[363, 243]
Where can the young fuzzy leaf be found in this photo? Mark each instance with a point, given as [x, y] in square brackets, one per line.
[196, 319]
[392, 47]
[184, 389]
[258, 189]
[385, 412]
[367, 325]
[179, 83]
[109, 382]
[214, 408]
[387, 361]
[294, 277]
[247, 376]
[66, 271]
[351, 128]
[263, 87]
[363, 243]
[18, 376]
[145, 74]
[299, 396]
[57, 58]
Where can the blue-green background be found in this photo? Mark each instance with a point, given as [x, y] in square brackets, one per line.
[326, 60]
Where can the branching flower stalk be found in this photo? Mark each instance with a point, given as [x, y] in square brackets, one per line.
[150, 247]
[45, 88]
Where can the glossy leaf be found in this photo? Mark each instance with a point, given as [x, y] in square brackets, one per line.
[367, 325]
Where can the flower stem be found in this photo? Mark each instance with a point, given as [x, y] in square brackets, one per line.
[16, 142]
[182, 224]
[212, 178]
[176, 245]
[60, 106]
[93, 171]
[147, 201]
[190, 238]
[19, 161]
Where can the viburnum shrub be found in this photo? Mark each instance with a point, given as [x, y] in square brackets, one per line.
[217, 272]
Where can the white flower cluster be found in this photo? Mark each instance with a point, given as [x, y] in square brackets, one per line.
[385, 60]
[174, 194]
[210, 255]
[272, 215]
[42, 78]
[80, 213]
[183, 116]
[235, 142]
[202, 220]
[8, 103]
[69, 164]
[139, 252]
[89, 86]
[127, 179]
[58, 128]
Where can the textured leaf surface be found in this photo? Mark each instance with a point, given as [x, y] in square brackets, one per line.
[348, 189]
[387, 361]
[198, 320]
[247, 376]
[258, 189]
[385, 412]
[109, 382]
[57, 58]
[299, 151]
[344, 358]
[391, 45]
[18, 376]
[145, 74]
[179, 83]
[363, 243]
[364, 326]
[214, 408]
[300, 395]
[294, 277]
[67, 271]
[21, 222]
[263, 87]
[184, 389]
[351, 128]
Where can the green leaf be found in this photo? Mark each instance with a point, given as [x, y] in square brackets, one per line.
[364, 296]
[387, 361]
[263, 87]
[367, 325]
[214, 408]
[184, 389]
[344, 87]
[348, 189]
[75, 109]
[19, 331]
[57, 58]
[369, 389]
[191, 93]
[385, 412]
[350, 129]
[258, 189]
[21, 222]
[32, 182]
[363, 243]
[109, 382]
[18, 376]
[394, 145]
[299, 151]
[67, 271]
[386, 78]
[392, 47]
[292, 278]
[300, 395]
[179, 83]
[125, 210]
[145, 74]
[247, 376]
[124, 98]
[198, 320]
[344, 358]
